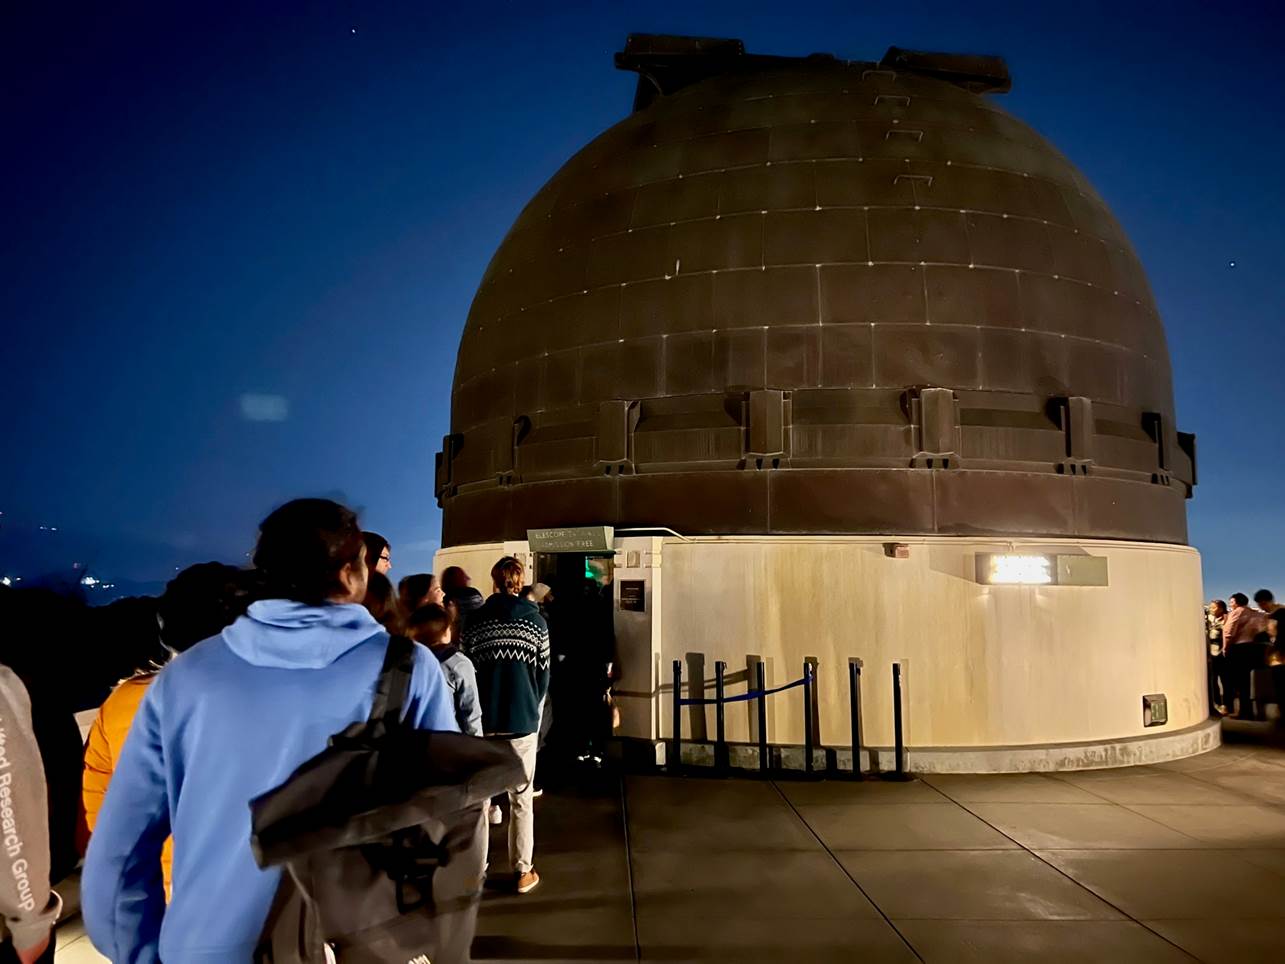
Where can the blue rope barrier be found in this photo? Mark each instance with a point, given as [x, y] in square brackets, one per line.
[744, 697]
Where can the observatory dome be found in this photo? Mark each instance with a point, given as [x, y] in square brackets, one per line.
[813, 296]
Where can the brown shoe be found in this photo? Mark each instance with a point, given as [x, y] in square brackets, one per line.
[525, 883]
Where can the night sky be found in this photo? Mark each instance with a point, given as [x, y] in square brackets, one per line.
[239, 244]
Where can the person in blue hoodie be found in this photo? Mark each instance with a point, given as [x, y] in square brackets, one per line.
[226, 721]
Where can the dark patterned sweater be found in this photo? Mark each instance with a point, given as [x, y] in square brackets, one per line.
[508, 642]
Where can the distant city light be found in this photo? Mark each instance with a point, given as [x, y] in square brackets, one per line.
[89, 581]
[5, 581]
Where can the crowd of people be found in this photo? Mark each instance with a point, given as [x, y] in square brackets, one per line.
[276, 660]
[1246, 651]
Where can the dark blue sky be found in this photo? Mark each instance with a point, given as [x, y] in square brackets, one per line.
[212, 208]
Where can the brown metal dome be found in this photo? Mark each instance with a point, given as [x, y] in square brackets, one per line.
[811, 296]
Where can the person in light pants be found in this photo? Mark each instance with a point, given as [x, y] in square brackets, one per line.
[508, 641]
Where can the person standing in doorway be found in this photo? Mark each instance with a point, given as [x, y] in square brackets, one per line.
[589, 668]
[508, 642]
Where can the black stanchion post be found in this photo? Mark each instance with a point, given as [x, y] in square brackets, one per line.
[854, 710]
[760, 680]
[720, 739]
[677, 744]
[807, 716]
[899, 743]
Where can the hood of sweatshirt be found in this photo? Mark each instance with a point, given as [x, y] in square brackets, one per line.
[467, 599]
[284, 634]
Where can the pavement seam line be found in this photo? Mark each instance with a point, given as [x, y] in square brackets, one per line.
[629, 864]
[1083, 887]
[847, 873]
[1180, 774]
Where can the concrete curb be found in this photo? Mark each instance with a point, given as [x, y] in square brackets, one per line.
[1046, 758]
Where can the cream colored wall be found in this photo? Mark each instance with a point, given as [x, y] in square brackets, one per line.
[476, 560]
[984, 666]
[638, 643]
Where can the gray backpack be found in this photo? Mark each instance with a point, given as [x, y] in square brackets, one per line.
[381, 837]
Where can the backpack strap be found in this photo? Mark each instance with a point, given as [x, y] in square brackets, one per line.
[393, 687]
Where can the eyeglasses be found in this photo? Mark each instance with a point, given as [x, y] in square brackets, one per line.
[385, 557]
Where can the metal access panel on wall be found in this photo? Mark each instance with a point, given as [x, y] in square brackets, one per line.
[1155, 710]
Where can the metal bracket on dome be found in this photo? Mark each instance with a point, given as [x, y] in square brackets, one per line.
[444, 483]
[979, 73]
[767, 418]
[617, 419]
[666, 64]
[1187, 445]
[1081, 432]
[935, 417]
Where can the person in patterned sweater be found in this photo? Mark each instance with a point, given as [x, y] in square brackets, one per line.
[508, 641]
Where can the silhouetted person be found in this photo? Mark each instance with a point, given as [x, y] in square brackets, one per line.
[1245, 651]
[235, 716]
[461, 599]
[1266, 601]
[197, 604]
[587, 637]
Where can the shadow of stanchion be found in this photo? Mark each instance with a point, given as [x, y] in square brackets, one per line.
[694, 675]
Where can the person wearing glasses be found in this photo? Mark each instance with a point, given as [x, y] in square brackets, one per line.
[379, 554]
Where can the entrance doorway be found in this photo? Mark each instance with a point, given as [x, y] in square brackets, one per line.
[583, 639]
[568, 571]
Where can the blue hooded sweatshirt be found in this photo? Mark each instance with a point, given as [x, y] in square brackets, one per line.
[224, 722]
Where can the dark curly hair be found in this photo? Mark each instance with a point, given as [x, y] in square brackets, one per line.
[303, 546]
[203, 599]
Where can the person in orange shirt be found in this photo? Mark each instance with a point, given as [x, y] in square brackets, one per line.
[197, 604]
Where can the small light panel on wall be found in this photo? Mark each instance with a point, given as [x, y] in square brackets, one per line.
[1012, 569]
[1040, 569]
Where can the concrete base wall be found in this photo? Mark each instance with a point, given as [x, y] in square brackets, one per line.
[984, 667]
